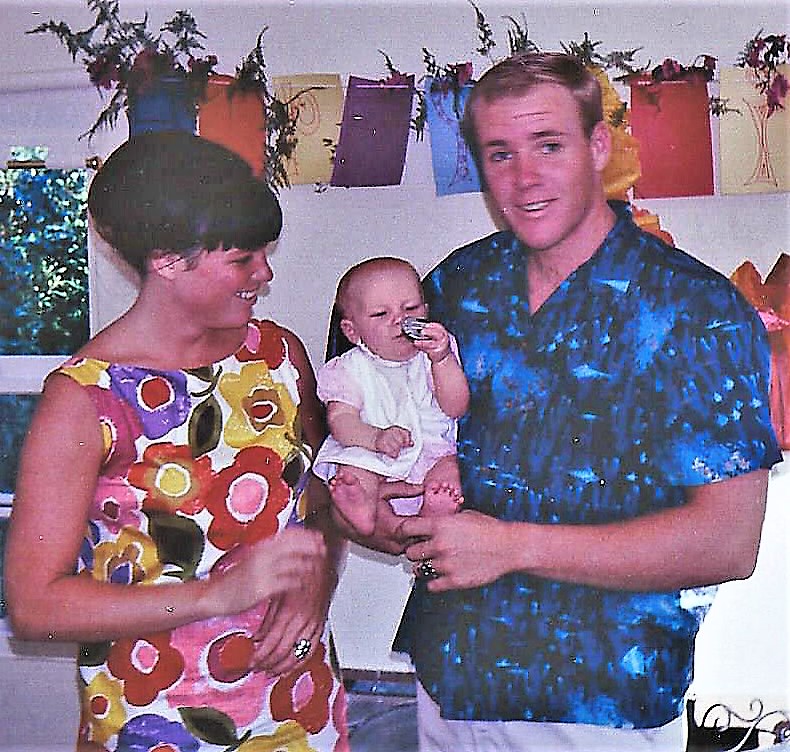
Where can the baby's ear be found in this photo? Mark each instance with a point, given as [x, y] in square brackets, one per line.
[350, 333]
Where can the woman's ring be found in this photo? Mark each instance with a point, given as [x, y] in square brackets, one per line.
[302, 648]
[426, 570]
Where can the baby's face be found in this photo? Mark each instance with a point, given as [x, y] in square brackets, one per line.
[380, 304]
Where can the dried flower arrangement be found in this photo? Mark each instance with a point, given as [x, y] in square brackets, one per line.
[126, 57]
[762, 55]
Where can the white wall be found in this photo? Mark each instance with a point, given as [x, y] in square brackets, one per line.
[744, 645]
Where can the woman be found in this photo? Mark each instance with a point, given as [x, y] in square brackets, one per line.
[162, 515]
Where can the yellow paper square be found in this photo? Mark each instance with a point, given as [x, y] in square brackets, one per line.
[318, 98]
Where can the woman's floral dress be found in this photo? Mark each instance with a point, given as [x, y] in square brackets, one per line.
[197, 464]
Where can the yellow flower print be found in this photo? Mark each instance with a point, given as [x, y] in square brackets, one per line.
[102, 707]
[86, 371]
[262, 411]
[289, 737]
[130, 559]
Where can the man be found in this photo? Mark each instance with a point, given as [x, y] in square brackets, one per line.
[614, 460]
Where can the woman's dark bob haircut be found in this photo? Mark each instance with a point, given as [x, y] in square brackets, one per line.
[172, 192]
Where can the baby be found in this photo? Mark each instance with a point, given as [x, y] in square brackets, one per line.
[392, 400]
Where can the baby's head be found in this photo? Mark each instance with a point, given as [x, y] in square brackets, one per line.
[373, 298]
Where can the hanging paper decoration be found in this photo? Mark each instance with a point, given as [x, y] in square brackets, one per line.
[671, 121]
[234, 118]
[772, 301]
[650, 223]
[374, 132]
[454, 169]
[754, 146]
[623, 169]
[318, 100]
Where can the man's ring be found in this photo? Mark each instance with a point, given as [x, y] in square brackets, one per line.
[301, 648]
[426, 570]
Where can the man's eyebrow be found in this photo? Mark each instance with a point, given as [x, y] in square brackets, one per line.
[548, 133]
[536, 136]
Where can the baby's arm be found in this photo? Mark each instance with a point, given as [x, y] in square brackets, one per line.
[348, 429]
[449, 381]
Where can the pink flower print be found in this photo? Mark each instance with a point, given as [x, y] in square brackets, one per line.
[115, 505]
[120, 428]
[303, 695]
[161, 399]
[246, 498]
[218, 674]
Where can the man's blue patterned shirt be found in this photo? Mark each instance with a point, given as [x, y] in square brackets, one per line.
[643, 373]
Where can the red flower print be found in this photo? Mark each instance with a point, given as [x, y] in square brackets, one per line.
[265, 341]
[246, 498]
[173, 479]
[147, 665]
[303, 695]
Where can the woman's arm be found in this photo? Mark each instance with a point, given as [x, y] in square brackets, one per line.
[57, 477]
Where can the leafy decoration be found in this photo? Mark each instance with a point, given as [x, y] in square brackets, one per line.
[125, 56]
[281, 117]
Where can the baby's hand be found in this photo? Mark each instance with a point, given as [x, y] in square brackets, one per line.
[435, 341]
[391, 440]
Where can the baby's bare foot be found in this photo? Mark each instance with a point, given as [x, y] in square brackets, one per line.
[352, 503]
[440, 499]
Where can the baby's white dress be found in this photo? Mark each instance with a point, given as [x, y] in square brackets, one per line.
[387, 393]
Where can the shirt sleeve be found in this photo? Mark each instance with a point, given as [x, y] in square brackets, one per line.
[334, 383]
[711, 418]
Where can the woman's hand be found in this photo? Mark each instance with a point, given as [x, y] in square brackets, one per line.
[296, 615]
[270, 568]
[291, 618]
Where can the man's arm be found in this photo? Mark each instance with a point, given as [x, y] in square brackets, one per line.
[712, 538]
